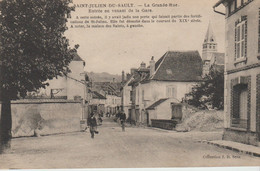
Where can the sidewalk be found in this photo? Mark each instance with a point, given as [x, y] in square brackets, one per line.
[234, 146]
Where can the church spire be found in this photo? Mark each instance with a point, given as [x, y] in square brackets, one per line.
[209, 37]
[209, 44]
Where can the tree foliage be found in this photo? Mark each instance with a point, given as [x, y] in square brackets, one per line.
[33, 49]
[210, 92]
[33, 45]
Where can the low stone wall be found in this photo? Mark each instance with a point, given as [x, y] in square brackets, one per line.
[45, 116]
[164, 124]
[240, 136]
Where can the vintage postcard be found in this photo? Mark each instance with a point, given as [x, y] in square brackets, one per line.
[129, 84]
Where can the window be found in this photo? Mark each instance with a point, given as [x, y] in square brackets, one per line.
[239, 3]
[240, 39]
[171, 91]
[232, 6]
[131, 95]
[235, 5]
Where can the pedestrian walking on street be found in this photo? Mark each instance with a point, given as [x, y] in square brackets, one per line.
[92, 122]
[122, 119]
[100, 120]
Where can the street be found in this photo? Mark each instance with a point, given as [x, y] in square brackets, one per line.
[112, 148]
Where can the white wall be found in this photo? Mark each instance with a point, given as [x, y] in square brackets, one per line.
[126, 97]
[70, 87]
[75, 88]
[156, 90]
[56, 83]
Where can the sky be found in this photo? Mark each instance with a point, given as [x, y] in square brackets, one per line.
[115, 49]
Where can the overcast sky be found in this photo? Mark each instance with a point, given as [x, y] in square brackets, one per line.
[116, 49]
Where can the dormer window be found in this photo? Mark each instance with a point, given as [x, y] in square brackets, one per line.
[239, 3]
[235, 5]
[232, 6]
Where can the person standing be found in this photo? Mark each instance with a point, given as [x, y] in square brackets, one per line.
[122, 119]
[92, 122]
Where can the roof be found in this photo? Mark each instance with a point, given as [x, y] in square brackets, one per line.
[155, 104]
[139, 75]
[111, 88]
[97, 95]
[128, 81]
[219, 68]
[136, 79]
[178, 66]
[77, 57]
[209, 37]
[218, 3]
[219, 58]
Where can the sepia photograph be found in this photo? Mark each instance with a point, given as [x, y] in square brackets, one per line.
[130, 84]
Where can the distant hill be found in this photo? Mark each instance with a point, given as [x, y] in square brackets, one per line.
[104, 77]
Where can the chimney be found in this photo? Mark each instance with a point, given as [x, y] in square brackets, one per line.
[128, 76]
[152, 66]
[143, 65]
[123, 76]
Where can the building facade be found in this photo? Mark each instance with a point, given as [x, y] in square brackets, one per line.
[242, 71]
[171, 77]
[68, 87]
[126, 97]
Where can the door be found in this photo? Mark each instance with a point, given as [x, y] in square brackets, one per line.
[176, 111]
[129, 114]
[137, 115]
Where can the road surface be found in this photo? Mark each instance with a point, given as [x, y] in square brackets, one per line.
[136, 147]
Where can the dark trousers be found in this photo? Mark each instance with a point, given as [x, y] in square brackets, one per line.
[93, 130]
[123, 125]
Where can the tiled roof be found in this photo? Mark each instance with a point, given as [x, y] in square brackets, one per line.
[219, 58]
[111, 88]
[140, 76]
[97, 95]
[155, 104]
[77, 57]
[178, 66]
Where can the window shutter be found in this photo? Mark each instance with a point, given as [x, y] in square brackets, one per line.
[235, 41]
[245, 37]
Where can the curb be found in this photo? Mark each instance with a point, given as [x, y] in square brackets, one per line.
[251, 153]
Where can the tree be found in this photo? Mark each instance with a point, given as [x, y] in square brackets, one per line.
[210, 92]
[33, 50]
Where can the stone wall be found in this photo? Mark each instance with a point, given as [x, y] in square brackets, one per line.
[45, 117]
[240, 136]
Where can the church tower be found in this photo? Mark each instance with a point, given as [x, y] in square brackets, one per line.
[209, 45]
